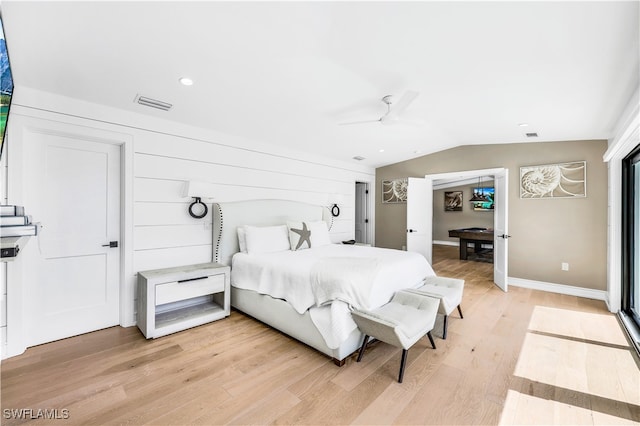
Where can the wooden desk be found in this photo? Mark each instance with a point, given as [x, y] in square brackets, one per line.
[477, 236]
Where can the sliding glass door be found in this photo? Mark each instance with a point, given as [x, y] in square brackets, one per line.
[631, 237]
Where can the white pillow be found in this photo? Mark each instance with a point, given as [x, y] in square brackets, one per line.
[304, 235]
[242, 239]
[266, 239]
[319, 233]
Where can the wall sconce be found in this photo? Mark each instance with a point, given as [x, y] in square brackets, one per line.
[197, 190]
[335, 210]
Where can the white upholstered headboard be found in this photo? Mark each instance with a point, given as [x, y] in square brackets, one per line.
[227, 217]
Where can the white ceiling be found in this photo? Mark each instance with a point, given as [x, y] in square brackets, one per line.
[287, 73]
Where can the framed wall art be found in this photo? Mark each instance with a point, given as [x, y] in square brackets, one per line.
[564, 180]
[453, 201]
[394, 191]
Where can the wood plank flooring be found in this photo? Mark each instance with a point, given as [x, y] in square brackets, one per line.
[519, 357]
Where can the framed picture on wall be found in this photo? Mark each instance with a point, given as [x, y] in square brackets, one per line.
[453, 201]
[565, 180]
[394, 191]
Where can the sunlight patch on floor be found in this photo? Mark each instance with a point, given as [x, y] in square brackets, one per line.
[584, 367]
[523, 409]
[573, 368]
[580, 325]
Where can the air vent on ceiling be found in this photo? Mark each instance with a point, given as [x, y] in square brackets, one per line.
[531, 135]
[153, 103]
[357, 157]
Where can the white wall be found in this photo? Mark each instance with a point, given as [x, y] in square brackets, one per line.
[163, 155]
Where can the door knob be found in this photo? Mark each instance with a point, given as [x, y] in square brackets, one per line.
[112, 244]
[505, 236]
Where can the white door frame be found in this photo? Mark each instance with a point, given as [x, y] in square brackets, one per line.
[371, 211]
[60, 124]
[469, 174]
[368, 208]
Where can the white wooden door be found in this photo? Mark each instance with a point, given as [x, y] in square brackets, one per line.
[361, 213]
[501, 229]
[72, 187]
[420, 216]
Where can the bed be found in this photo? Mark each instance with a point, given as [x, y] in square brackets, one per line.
[306, 293]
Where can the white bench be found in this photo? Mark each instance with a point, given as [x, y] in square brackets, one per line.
[401, 322]
[448, 290]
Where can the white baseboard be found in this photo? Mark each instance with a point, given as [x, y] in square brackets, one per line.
[559, 288]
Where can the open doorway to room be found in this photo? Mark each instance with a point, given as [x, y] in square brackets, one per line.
[420, 215]
[463, 218]
[362, 233]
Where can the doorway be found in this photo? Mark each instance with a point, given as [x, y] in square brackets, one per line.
[630, 302]
[420, 215]
[362, 234]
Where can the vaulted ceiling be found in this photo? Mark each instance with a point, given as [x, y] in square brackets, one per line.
[290, 72]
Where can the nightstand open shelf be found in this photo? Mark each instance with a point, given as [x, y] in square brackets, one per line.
[174, 299]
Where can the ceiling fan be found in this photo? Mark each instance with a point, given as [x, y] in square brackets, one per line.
[393, 114]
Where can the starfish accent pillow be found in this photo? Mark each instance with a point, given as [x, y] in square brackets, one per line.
[299, 235]
[304, 235]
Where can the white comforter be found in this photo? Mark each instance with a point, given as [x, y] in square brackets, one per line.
[329, 280]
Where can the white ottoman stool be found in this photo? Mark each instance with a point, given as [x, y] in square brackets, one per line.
[449, 290]
[401, 322]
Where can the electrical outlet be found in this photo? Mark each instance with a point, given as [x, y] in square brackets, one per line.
[565, 266]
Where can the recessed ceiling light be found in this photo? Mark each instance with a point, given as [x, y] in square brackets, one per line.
[381, 150]
[186, 81]
[523, 124]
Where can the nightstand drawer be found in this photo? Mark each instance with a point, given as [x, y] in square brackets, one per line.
[181, 290]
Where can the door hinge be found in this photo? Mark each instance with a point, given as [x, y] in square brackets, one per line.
[366, 221]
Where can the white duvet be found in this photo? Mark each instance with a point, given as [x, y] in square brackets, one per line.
[329, 280]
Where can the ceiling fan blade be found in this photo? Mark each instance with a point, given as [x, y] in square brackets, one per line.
[404, 102]
[358, 122]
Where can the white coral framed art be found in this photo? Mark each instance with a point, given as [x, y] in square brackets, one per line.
[564, 180]
[394, 191]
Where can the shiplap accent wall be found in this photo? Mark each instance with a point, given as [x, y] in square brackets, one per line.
[165, 234]
[164, 156]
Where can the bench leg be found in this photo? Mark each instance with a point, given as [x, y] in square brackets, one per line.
[364, 345]
[431, 339]
[402, 364]
[460, 311]
[444, 328]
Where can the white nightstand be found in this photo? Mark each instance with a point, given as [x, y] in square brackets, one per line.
[174, 299]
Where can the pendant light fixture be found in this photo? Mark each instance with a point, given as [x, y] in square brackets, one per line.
[478, 195]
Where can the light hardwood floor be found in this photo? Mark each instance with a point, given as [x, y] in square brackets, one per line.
[519, 357]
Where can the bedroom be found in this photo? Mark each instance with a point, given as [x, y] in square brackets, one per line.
[159, 153]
